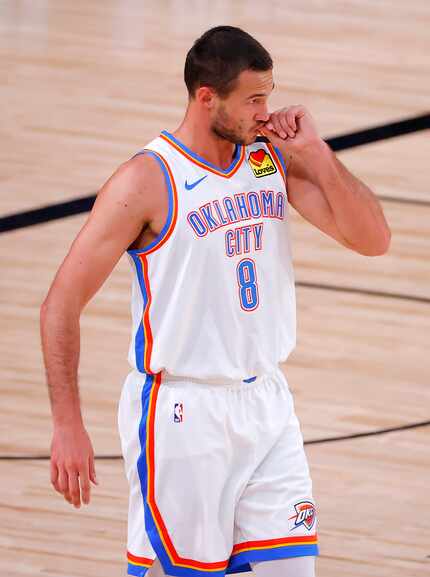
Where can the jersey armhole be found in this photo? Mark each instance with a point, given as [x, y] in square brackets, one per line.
[279, 159]
[172, 214]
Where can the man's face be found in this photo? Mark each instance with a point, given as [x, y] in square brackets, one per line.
[238, 117]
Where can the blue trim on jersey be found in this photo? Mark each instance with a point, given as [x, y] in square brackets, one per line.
[139, 341]
[272, 553]
[250, 380]
[136, 570]
[150, 526]
[171, 202]
[281, 158]
[240, 569]
[142, 465]
[142, 468]
[236, 156]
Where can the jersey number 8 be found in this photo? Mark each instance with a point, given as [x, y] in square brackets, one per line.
[247, 281]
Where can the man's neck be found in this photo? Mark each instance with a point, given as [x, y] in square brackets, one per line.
[201, 140]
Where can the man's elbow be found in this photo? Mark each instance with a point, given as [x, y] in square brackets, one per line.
[45, 310]
[59, 303]
[379, 246]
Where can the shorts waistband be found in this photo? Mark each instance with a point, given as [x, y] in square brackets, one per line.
[247, 382]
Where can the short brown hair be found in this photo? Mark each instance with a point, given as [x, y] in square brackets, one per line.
[218, 57]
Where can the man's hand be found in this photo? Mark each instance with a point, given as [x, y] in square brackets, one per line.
[291, 129]
[72, 464]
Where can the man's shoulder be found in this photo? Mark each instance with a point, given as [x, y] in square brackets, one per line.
[137, 183]
[141, 171]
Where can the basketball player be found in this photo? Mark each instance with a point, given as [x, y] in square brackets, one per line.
[219, 481]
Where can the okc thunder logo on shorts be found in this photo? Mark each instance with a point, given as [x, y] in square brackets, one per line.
[178, 414]
[305, 515]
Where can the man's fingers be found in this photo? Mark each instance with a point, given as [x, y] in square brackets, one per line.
[92, 470]
[63, 483]
[63, 480]
[84, 481]
[291, 119]
[72, 464]
[54, 476]
[287, 125]
[284, 122]
[274, 119]
[271, 135]
[75, 492]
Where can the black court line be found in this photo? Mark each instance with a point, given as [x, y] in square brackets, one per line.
[337, 143]
[47, 213]
[382, 132]
[368, 433]
[366, 292]
[401, 200]
[310, 442]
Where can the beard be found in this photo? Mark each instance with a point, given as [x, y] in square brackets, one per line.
[224, 127]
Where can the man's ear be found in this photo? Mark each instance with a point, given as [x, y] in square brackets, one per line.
[205, 96]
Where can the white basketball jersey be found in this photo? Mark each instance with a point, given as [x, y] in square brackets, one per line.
[213, 295]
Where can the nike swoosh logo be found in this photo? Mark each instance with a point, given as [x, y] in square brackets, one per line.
[193, 184]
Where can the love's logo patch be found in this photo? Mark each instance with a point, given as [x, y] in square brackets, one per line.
[261, 163]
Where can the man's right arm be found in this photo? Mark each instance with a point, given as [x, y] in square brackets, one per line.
[124, 205]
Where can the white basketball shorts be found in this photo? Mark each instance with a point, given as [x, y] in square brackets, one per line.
[217, 472]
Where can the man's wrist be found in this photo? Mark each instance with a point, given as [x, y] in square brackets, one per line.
[315, 149]
[68, 421]
[320, 163]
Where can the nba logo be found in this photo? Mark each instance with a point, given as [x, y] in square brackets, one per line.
[178, 413]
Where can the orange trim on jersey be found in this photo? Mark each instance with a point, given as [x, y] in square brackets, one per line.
[174, 216]
[277, 161]
[148, 339]
[203, 164]
[274, 543]
[139, 561]
[158, 520]
[141, 254]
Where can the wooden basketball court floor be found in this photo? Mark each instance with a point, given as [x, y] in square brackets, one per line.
[84, 84]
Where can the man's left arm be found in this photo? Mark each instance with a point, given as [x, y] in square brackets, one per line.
[322, 190]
